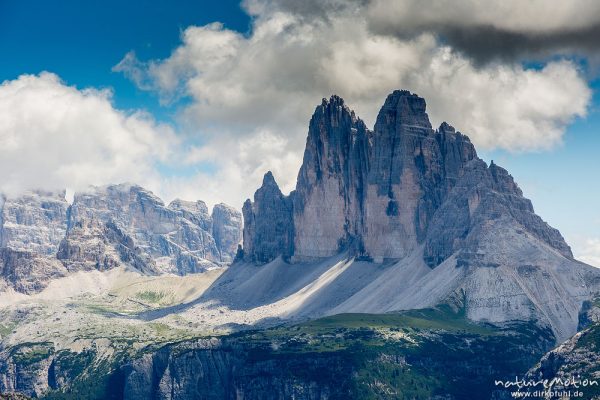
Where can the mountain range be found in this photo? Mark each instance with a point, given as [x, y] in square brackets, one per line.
[43, 237]
[398, 243]
[419, 203]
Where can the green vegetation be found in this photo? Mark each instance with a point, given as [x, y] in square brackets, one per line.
[31, 353]
[99, 380]
[440, 318]
[409, 355]
[151, 296]
[587, 367]
[590, 339]
[100, 309]
[5, 330]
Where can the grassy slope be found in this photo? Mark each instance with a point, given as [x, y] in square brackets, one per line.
[414, 354]
[410, 355]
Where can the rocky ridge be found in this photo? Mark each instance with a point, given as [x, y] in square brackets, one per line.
[42, 236]
[422, 200]
[385, 192]
[347, 356]
[575, 360]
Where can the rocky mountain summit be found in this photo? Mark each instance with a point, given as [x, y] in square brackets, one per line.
[42, 236]
[407, 194]
[386, 192]
[401, 266]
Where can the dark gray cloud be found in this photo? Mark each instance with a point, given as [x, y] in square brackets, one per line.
[485, 43]
[508, 30]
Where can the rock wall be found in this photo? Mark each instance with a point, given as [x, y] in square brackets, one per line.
[329, 198]
[226, 230]
[43, 237]
[268, 226]
[385, 193]
[294, 362]
[34, 222]
[210, 369]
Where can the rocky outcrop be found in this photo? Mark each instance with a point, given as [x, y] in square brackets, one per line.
[328, 204]
[26, 370]
[268, 226]
[92, 245]
[35, 222]
[178, 237]
[27, 272]
[31, 228]
[42, 237]
[482, 195]
[386, 193]
[211, 369]
[421, 201]
[226, 230]
[346, 357]
[573, 366]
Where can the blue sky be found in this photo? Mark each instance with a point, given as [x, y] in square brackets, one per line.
[82, 42]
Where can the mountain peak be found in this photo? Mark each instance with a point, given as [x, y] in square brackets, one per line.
[333, 101]
[267, 223]
[446, 128]
[424, 203]
[335, 111]
[269, 180]
[382, 194]
[406, 111]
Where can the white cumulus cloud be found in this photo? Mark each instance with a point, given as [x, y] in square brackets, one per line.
[588, 251]
[55, 136]
[253, 94]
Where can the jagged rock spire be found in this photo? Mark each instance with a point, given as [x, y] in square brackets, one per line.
[267, 223]
[386, 193]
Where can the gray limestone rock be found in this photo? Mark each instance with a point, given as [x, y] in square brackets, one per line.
[386, 193]
[27, 272]
[42, 237]
[422, 200]
[34, 222]
[226, 230]
[93, 245]
[267, 223]
[177, 237]
[328, 203]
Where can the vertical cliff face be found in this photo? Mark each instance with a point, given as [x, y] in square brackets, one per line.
[178, 238]
[387, 193]
[31, 229]
[413, 170]
[358, 357]
[43, 237]
[268, 230]
[226, 230]
[21, 219]
[329, 197]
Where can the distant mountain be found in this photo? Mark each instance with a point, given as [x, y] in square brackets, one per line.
[42, 236]
[421, 200]
[402, 266]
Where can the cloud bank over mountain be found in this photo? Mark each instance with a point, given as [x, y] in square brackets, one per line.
[55, 136]
[511, 75]
[261, 87]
